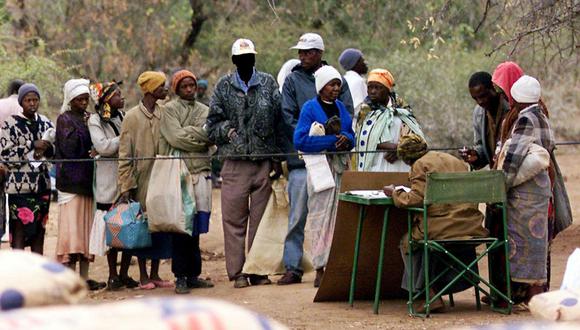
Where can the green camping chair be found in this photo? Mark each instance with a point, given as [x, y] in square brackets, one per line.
[450, 188]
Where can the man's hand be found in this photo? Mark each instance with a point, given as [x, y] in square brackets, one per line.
[388, 190]
[342, 143]
[468, 155]
[232, 134]
[276, 171]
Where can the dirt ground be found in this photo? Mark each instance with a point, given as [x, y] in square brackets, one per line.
[293, 306]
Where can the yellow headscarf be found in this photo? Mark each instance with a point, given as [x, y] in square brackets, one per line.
[150, 80]
[411, 147]
[383, 77]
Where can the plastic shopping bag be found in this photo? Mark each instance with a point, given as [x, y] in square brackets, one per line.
[97, 241]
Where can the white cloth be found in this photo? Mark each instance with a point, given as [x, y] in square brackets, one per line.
[8, 107]
[64, 197]
[72, 89]
[324, 75]
[526, 90]
[285, 70]
[358, 92]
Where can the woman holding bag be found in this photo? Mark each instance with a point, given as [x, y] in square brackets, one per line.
[105, 127]
[337, 135]
[528, 201]
[140, 138]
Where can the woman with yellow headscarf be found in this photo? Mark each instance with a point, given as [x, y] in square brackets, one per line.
[382, 120]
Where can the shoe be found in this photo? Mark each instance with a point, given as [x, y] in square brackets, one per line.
[94, 285]
[318, 279]
[115, 284]
[198, 283]
[289, 278]
[181, 286]
[129, 282]
[259, 280]
[241, 282]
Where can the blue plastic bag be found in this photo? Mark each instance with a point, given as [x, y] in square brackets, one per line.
[126, 227]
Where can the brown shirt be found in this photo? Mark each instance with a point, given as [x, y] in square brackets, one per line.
[446, 221]
[139, 138]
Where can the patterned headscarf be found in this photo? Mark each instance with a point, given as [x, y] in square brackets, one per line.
[411, 147]
[383, 77]
[101, 93]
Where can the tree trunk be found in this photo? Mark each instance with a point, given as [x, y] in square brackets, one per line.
[198, 17]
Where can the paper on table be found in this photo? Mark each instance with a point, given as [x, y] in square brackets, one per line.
[318, 172]
[367, 193]
[404, 188]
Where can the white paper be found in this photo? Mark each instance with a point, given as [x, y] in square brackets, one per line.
[319, 173]
[403, 188]
[370, 194]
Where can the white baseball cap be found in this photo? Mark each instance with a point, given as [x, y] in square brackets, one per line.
[309, 41]
[243, 46]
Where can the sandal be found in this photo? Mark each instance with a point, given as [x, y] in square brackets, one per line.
[163, 284]
[129, 282]
[148, 286]
[94, 285]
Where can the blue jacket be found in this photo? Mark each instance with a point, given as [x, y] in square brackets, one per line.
[299, 87]
[312, 112]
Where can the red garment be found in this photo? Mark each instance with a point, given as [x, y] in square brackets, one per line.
[505, 75]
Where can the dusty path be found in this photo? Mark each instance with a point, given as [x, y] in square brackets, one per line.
[293, 306]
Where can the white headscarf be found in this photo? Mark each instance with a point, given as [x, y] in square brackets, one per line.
[285, 70]
[72, 89]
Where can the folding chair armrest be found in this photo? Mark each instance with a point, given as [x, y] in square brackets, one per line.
[414, 209]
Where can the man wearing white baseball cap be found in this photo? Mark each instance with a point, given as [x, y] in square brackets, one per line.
[298, 88]
[245, 122]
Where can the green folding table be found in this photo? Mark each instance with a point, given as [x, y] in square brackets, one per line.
[363, 203]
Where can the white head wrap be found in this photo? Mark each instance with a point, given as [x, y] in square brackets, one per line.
[72, 89]
[526, 90]
[285, 70]
[324, 75]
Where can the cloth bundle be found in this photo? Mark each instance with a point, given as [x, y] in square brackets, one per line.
[143, 314]
[28, 279]
[537, 159]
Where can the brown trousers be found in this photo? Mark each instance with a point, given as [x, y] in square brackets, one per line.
[245, 192]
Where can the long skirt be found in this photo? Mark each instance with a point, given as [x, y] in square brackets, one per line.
[75, 221]
[28, 218]
[528, 230]
[322, 207]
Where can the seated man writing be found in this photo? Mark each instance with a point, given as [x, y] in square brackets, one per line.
[446, 221]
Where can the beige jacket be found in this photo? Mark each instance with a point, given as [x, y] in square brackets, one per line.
[139, 138]
[182, 129]
[446, 221]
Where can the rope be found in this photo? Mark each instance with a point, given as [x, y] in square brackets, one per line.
[240, 156]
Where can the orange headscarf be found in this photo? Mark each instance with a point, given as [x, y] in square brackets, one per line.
[179, 76]
[383, 77]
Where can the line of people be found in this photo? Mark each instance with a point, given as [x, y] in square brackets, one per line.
[315, 109]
